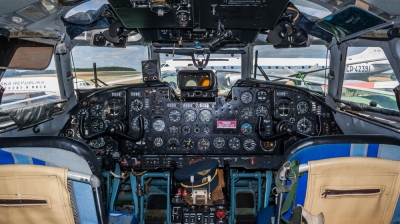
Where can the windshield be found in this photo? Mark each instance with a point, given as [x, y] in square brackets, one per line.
[369, 78]
[302, 67]
[114, 66]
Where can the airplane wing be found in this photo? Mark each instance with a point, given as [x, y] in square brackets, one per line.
[364, 86]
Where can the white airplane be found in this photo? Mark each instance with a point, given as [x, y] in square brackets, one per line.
[31, 89]
[371, 61]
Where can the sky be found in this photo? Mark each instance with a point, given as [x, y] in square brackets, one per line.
[131, 56]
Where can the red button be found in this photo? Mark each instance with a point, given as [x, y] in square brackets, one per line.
[252, 161]
[221, 214]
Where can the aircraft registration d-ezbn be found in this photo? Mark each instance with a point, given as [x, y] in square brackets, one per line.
[199, 111]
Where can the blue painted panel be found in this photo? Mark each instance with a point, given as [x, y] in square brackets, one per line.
[85, 201]
[6, 158]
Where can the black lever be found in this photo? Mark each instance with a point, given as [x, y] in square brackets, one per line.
[290, 131]
[112, 131]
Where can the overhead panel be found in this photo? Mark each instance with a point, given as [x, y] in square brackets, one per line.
[242, 14]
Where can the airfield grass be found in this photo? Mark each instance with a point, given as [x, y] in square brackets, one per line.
[107, 76]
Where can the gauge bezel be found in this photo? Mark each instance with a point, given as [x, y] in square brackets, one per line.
[141, 103]
[301, 111]
[214, 142]
[190, 121]
[304, 119]
[266, 96]
[135, 127]
[245, 142]
[258, 113]
[190, 130]
[249, 115]
[238, 145]
[92, 109]
[250, 97]
[246, 133]
[208, 119]
[191, 145]
[157, 121]
[208, 144]
[157, 144]
[178, 118]
[101, 124]
[78, 115]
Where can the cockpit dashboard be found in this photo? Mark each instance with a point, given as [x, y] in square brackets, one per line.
[177, 131]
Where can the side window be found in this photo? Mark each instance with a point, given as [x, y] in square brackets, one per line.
[369, 78]
[26, 87]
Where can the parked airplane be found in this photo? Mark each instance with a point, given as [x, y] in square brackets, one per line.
[25, 89]
[371, 61]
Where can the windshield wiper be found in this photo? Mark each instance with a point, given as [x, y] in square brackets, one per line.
[259, 67]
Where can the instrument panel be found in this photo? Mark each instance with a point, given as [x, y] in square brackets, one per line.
[226, 126]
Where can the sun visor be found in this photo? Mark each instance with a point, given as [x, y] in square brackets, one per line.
[23, 54]
[29, 116]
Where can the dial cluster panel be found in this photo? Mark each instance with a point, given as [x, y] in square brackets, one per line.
[172, 127]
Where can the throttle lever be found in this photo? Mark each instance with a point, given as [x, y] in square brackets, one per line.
[111, 130]
[260, 128]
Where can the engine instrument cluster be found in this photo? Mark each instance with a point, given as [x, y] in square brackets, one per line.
[223, 128]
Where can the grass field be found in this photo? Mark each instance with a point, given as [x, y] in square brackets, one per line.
[108, 76]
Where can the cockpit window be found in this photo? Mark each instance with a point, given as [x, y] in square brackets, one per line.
[302, 67]
[369, 78]
[114, 66]
[25, 87]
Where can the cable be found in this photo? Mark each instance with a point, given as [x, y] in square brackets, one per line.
[139, 174]
[298, 13]
[203, 184]
[73, 64]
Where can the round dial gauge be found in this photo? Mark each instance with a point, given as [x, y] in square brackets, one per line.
[261, 111]
[234, 143]
[136, 105]
[83, 112]
[304, 125]
[135, 124]
[159, 125]
[190, 116]
[96, 110]
[205, 116]
[246, 129]
[283, 109]
[114, 107]
[203, 144]
[267, 146]
[174, 115]
[186, 130]
[249, 144]
[187, 144]
[246, 97]
[219, 142]
[302, 107]
[97, 125]
[173, 130]
[246, 113]
[261, 96]
[150, 68]
[173, 144]
[97, 143]
[158, 142]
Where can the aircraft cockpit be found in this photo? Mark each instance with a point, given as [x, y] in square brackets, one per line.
[192, 112]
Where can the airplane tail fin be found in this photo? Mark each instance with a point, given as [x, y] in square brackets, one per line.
[370, 53]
